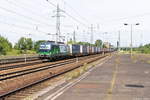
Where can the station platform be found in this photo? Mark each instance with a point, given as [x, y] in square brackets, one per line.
[119, 78]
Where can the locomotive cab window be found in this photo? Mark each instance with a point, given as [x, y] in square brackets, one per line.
[45, 47]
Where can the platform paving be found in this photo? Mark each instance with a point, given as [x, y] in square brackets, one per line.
[120, 78]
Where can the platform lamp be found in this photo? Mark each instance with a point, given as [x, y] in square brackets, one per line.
[131, 46]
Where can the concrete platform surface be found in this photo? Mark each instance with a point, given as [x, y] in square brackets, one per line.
[120, 78]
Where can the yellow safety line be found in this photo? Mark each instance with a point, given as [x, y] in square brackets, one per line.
[110, 90]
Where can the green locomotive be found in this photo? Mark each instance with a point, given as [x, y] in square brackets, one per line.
[52, 50]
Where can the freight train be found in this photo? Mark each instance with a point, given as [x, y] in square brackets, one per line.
[51, 50]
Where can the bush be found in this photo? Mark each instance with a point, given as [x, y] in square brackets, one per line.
[24, 44]
[5, 46]
[144, 49]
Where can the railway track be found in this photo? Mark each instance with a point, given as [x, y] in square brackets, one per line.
[17, 60]
[36, 67]
[34, 74]
[31, 70]
[17, 65]
[20, 64]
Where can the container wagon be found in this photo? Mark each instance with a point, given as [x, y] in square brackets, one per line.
[74, 50]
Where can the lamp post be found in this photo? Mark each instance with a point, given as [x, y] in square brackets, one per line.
[131, 36]
[119, 41]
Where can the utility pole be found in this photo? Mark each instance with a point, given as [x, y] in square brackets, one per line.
[74, 36]
[141, 40]
[58, 32]
[92, 29]
[119, 40]
[131, 40]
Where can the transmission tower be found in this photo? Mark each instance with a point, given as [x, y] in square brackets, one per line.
[58, 15]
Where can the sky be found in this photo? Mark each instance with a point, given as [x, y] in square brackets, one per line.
[33, 19]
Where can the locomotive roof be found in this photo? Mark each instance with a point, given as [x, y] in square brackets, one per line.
[54, 43]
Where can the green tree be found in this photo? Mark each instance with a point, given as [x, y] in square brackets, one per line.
[29, 43]
[98, 43]
[5, 46]
[24, 44]
[21, 45]
[71, 42]
[144, 49]
[84, 43]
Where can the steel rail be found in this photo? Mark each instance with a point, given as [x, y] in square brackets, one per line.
[17, 60]
[49, 77]
[14, 74]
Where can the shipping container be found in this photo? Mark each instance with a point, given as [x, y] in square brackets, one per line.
[88, 49]
[93, 49]
[99, 49]
[74, 49]
[83, 49]
[64, 51]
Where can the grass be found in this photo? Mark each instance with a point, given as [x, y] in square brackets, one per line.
[145, 58]
[134, 52]
[15, 53]
[138, 56]
[78, 72]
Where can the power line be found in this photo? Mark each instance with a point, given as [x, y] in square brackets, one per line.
[129, 17]
[22, 27]
[30, 10]
[83, 18]
[22, 21]
[75, 19]
[34, 12]
[27, 17]
[67, 14]
[30, 18]
[51, 3]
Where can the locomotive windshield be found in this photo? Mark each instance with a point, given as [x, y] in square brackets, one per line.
[45, 46]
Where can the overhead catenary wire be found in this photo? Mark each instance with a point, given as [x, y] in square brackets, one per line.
[124, 18]
[24, 22]
[67, 14]
[83, 18]
[51, 3]
[26, 9]
[76, 19]
[27, 17]
[22, 27]
[20, 21]
[34, 20]
[35, 13]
